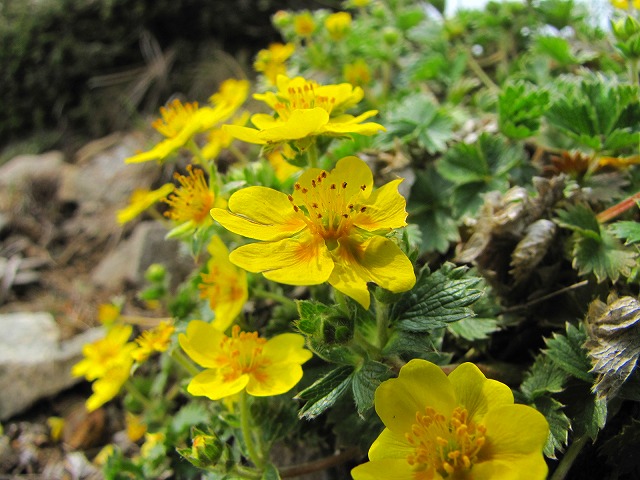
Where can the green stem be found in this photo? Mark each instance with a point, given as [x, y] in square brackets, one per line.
[618, 208]
[241, 157]
[312, 154]
[248, 473]
[382, 323]
[137, 394]
[569, 457]
[341, 300]
[184, 362]
[260, 293]
[633, 72]
[480, 73]
[245, 424]
[197, 153]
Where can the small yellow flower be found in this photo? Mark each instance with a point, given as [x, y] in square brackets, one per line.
[108, 314]
[463, 426]
[338, 25]
[103, 455]
[151, 441]
[135, 427]
[243, 361]
[224, 285]
[154, 340]
[304, 25]
[141, 200]
[278, 160]
[304, 110]
[331, 229]
[626, 4]
[357, 73]
[192, 200]
[218, 139]
[109, 385]
[271, 61]
[231, 94]
[56, 426]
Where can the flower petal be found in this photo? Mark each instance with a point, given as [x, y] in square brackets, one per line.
[387, 469]
[420, 384]
[293, 261]
[213, 385]
[246, 134]
[201, 343]
[286, 348]
[390, 445]
[357, 175]
[385, 209]
[261, 213]
[279, 379]
[300, 124]
[477, 393]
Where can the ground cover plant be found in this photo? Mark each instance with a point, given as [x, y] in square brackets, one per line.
[421, 263]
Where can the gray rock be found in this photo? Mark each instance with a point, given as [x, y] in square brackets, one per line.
[34, 363]
[130, 259]
[23, 168]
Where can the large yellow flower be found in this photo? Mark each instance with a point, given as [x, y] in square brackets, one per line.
[242, 361]
[461, 427]
[224, 285]
[304, 110]
[331, 229]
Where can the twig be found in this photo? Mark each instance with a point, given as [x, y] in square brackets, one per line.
[569, 457]
[545, 297]
[320, 464]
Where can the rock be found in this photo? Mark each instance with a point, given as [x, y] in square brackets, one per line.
[23, 168]
[34, 363]
[130, 259]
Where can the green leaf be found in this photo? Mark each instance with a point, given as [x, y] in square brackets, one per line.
[270, 473]
[580, 218]
[325, 391]
[438, 298]
[520, 107]
[474, 328]
[626, 230]
[591, 416]
[621, 451]
[429, 208]
[568, 353]
[189, 415]
[544, 377]
[365, 382]
[557, 48]
[606, 259]
[559, 425]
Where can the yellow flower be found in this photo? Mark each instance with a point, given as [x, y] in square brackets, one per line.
[219, 139]
[103, 455]
[271, 61]
[192, 200]
[357, 73]
[463, 426]
[242, 361]
[151, 441]
[305, 110]
[304, 25]
[108, 386]
[625, 4]
[338, 24]
[278, 160]
[141, 200]
[56, 427]
[231, 94]
[108, 313]
[135, 427]
[101, 355]
[225, 285]
[330, 229]
[154, 340]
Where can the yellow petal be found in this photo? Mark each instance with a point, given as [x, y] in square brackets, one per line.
[476, 393]
[387, 469]
[261, 213]
[263, 121]
[279, 379]
[212, 384]
[420, 384]
[246, 134]
[385, 209]
[356, 173]
[390, 445]
[288, 348]
[499, 470]
[369, 128]
[294, 261]
[201, 343]
[300, 124]
[347, 280]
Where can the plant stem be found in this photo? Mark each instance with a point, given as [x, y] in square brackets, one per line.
[184, 362]
[480, 73]
[619, 208]
[569, 457]
[137, 394]
[245, 424]
[320, 464]
[240, 156]
[312, 154]
[382, 323]
[248, 473]
[260, 293]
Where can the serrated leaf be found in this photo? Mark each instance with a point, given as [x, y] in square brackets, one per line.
[591, 416]
[473, 328]
[606, 259]
[559, 425]
[544, 377]
[438, 298]
[557, 48]
[626, 230]
[614, 342]
[580, 218]
[366, 381]
[325, 391]
[568, 353]
[520, 107]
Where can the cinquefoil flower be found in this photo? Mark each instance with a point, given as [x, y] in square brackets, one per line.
[140, 200]
[242, 361]
[331, 229]
[224, 285]
[191, 201]
[304, 110]
[461, 427]
[155, 340]
[271, 61]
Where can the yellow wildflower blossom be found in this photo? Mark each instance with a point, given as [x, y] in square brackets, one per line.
[305, 110]
[463, 426]
[626, 4]
[108, 313]
[155, 340]
[231, 94]
[103, 455]
[243, 361]
[357, 73]
[331, 229]
[108, 386]
[304, 25]
[192, 200]
[271, 61]
[141, 200]
[219, 139]
[56, 426]
[151, 441]
[338, 25]
[224, 285]
[135, 427]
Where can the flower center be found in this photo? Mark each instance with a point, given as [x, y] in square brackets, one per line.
[242, 354]
[446, 446]
[303, 97]
[193, 200]
[174, 118]
[328, 207]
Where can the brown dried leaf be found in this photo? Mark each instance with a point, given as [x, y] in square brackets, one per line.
[614, 342]
[532, 248]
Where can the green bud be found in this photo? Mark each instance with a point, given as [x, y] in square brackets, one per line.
[156, 273]
[206, 449]
[625, 28]
[281, 19]
[390, 35]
